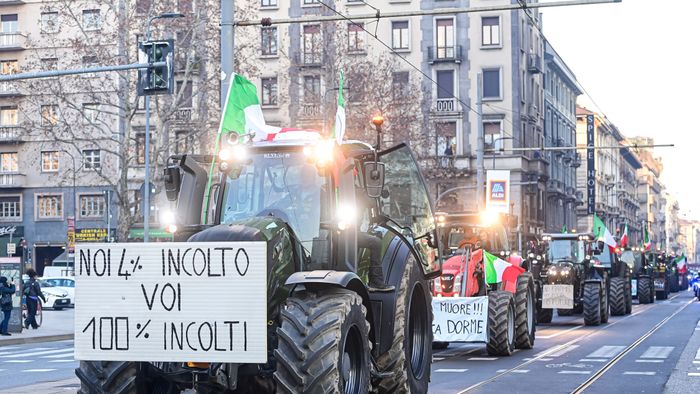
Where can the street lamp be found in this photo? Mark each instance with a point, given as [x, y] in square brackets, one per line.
[147, 137]
[502, 149]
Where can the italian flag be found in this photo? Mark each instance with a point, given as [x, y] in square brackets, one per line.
[242, 113]
[339, 130]
[624, 241]
[499, 270]
[647, 239]
[602, 233]
[680, 263]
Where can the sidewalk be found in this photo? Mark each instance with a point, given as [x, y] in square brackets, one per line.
[686, 374]
[56, 326]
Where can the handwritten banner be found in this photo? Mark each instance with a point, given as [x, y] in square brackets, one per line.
[557, 297]
[460, 319]
[171, 301]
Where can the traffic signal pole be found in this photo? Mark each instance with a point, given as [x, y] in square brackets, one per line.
[91, 70]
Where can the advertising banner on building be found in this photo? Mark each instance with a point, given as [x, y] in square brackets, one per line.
[10, 234]
[498, 190]
[590, 161]
[93, 234]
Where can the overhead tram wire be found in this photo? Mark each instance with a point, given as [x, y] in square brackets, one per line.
[393, 51]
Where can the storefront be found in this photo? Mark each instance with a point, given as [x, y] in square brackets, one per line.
[154, 234]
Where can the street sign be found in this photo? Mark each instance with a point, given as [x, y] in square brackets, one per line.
[590, 164]
[11, 249]
[71, 235]
[179, 302]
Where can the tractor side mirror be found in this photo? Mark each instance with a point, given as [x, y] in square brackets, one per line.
[172, 180]
[374, 178]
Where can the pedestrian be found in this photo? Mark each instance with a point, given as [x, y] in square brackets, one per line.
[6, 292]
[33, 293]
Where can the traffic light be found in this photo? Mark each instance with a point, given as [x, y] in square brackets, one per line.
[156, 79]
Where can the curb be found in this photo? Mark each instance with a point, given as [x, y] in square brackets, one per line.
[37, 339]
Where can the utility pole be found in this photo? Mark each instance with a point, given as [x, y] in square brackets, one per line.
[479, 144]
[227, 11]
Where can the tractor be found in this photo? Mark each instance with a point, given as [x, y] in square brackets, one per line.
[674, 274]
[576, 268]
[620, 274]
[327, 331]
[642, 278]
[511, 318]
[662, 274]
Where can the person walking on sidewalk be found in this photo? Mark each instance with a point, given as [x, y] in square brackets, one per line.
[33, 292]
[6, 292]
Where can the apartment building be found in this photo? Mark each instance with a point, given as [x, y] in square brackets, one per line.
[561, 90]
[673, 242]
[651, 192]
[628, 196]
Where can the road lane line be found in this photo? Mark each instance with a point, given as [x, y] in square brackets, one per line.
[629, 348]
[693, 373]
[697, 355]
[639, 373]
[606, 352]
[40, 370]
[459, 370]
[562, 352]
[16, 351]
[482, 358]
[649, 361]
[575, 372]
[557, 334]
[63, 361]
[658, 352]
[537, 359]
[36, 353]
[66, 354]
[593, 360]
[18, 361]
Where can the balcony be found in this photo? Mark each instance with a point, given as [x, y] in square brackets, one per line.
[310, 111]
[309, 59]
[12, 41]
[9, 89]
[11, 180]
[445, 105]
[10, 134]
[445, 54]
[534, 63]
[183, 114]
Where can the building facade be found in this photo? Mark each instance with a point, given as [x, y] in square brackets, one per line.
[561, 91]
[651, 193]
[628, 197]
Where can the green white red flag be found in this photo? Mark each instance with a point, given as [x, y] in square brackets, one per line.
[339, 129]
[499, 270]
[602, 233]
[647, 239]
[624, 240]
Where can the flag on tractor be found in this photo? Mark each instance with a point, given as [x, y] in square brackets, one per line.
[339, 130]
[602, 233]
[242, 113]
[564, 229]
[499, 270]
[624, 240]
[681, 263]
[647, 239]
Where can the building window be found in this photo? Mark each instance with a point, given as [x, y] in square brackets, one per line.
[10, 208]
[92, 20]
[312, 88]
[311, 1]
[492, 83]
[182, 142]
[49, 206]
[90, 113]
[9, 116]
[90, 61]
[8, 23]
[49, 115]
[446, 84]
[9, 162]
[445, 38]
[269, 91]
[49, 22]
[399, 35]
[400, 85]
[492, 131]
[92, 206]
[312, 44]
[490, 31]
[91, 159]
[268, 39]
[49, 161]
[185, 92]
[268, 3]
[9, 67]
[141, 148]
[356, 37]
[446, 140]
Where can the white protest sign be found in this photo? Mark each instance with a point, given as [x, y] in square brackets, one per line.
[557, 297]
[460, 319]
[174, 301]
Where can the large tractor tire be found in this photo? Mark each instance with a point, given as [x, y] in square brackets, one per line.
[544, 315]
[408, 360]
[592, 304]
[673, 283]
[501, 324]
[645, 290]
[605, 300]
[628, 296]
[525, 312]
[115, 377]
[617, 296]
[684, 282]
[323, 344]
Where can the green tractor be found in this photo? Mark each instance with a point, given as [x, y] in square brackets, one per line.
[327, 330]
[642, 274]
[662, 274]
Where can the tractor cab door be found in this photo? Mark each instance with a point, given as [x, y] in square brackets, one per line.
[407, 201]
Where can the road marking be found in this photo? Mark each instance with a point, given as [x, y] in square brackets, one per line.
[562, 352]
[18, 361]
[537, 359]
[697, 355]
[639, 373]
[575, 372]
[451, 370]
[62, 361]
[520, 371]
[606, 352]
[658, 352]
[39, 370]
[693, 373]
[557, 334]
[434, 358]
[60, 355]
[696, 362]
[482, 358]
[648, 361]
[593, 360]
[24, 350]
[36, 353]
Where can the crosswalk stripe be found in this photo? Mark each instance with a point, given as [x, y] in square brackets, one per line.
[593, 360]
[67, 354]
[693, 373]
[482, 358]
[23, 350]
[639, 373]
[18, 361]
[35, 353]
[62, 361]
[575, 372]
[658, 352]
[606, 352]
[697, 355]
[563, 351]
[40, 370]
[648, 361]
[451, 370]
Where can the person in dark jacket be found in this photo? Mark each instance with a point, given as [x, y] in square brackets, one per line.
[33, 293]
[6, 292]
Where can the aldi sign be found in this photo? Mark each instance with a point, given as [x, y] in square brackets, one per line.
[498, 190]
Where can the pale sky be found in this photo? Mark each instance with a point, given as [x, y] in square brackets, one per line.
[640, 61]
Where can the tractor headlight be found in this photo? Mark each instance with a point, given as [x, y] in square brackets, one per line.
[539, 257]
[531, 255]
[346, 216]
[457, 284]
[552, 271]
[565, 271]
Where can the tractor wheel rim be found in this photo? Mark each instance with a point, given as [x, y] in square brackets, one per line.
[511, 325]
[530, 313]
[417, 329]
[352, 361]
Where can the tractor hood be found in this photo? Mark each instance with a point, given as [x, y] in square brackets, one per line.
[453, 265]
[263, 228]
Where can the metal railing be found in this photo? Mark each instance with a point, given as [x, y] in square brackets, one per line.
[452, 53]
[10, 133]
[11, 179]
[12, 40]
[445, 105]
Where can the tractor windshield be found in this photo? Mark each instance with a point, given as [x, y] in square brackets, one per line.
[283, 185]
[566, 249]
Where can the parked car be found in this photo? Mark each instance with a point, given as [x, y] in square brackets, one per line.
[66, 283]
[56, 298]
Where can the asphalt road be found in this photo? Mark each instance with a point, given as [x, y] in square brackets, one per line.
[26, 365]
[631, 354]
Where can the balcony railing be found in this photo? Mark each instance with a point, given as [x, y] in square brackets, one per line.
[445, 105]
[8, 89]
[10, 134]
[183, 114]
[12, 41]
[534, 63]
[310, 111]
[445, 54]
[11, 180]
[309, 59]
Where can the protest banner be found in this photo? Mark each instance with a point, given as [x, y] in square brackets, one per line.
[460, 319]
